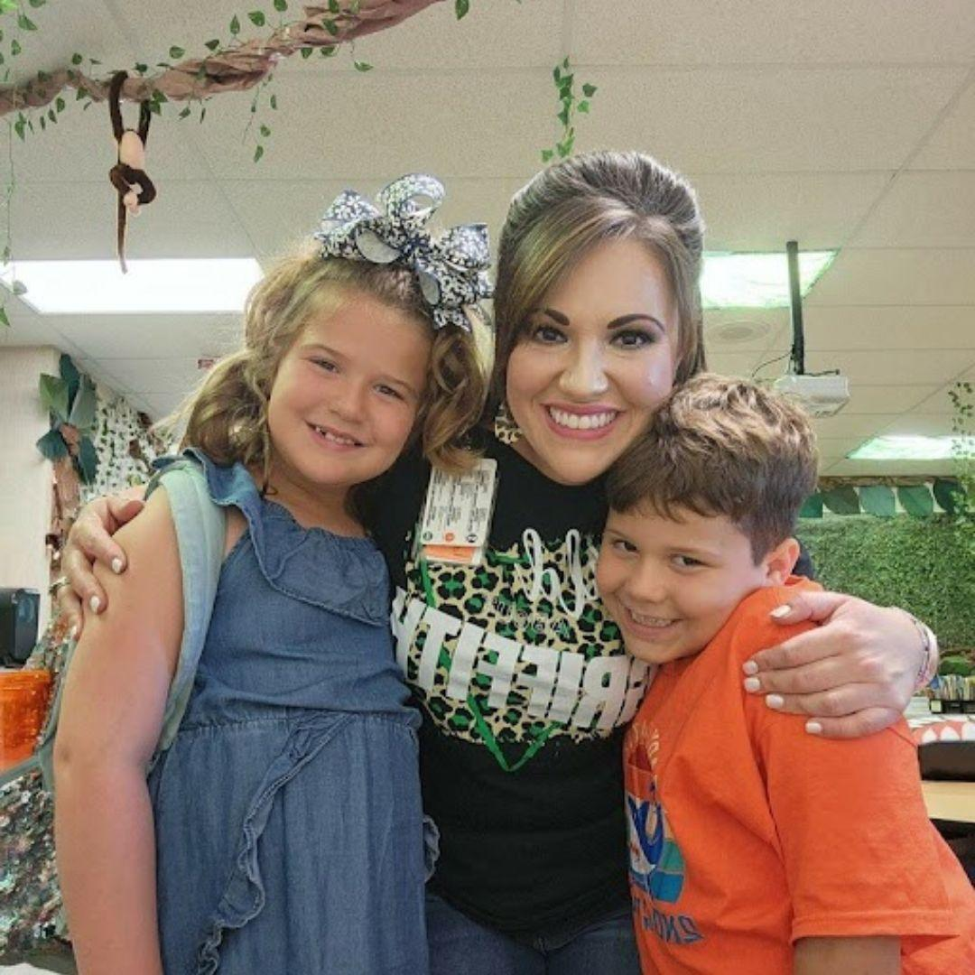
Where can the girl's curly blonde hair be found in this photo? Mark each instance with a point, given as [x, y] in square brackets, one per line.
[226, 416]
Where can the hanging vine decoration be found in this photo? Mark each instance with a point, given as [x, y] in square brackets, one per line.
[962, 397]
[570, 106]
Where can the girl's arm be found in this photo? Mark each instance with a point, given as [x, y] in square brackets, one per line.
[114, 700]
[853, 675]
[851, 956]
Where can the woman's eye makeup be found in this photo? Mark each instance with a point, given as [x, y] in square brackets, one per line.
[545, 333]
[633, 338]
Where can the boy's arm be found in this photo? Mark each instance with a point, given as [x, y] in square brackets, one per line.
[851, 956]
[114, 701]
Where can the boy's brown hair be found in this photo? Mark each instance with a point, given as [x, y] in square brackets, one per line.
[722, 446]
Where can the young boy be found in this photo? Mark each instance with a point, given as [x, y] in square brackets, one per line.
[755, 847]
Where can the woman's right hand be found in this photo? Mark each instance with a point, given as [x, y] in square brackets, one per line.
[90, 540]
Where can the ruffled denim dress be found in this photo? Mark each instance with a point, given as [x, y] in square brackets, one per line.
[288, 821]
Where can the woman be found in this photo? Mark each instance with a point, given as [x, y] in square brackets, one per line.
[522, 679]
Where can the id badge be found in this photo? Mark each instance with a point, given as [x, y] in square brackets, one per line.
[457, 514]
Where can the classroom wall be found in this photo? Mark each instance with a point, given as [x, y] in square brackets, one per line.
[25, 476]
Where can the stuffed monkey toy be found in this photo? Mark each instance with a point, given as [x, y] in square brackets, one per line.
[128, 175]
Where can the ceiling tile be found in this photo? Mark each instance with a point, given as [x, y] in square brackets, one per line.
[788, 31]
[894, 327]
[919, 426]
[109, 337]
[762, 211]
[835, 448]
[898, 277]
[881, 367]
[743, 329]
[889, 468]
[371, 125]
[846, 424]
[891, 399]
[278, 214]
[952, 144]
[752, 120]
[187, 219]
[155, 375]
[931, 209]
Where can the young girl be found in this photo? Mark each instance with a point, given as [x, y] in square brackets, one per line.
[282, 830]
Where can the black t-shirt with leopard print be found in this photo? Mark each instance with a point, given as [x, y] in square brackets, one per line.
[525, 691]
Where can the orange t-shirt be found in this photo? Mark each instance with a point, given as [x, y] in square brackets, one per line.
[747, 833]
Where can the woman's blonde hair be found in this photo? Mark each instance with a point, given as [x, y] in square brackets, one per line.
[571, 207]
[227, 415]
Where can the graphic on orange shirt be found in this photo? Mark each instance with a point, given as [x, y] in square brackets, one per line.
[656, 864]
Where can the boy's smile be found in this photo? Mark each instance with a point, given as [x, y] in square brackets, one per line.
[671, 585]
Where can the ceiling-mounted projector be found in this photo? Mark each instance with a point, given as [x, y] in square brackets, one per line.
[826, 393]
[819, 395]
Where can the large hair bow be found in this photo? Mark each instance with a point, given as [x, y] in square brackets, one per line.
[451, 269]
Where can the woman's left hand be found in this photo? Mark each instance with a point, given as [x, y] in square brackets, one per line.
[853, 675]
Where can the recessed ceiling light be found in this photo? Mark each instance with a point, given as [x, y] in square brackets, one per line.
[735, 333]
[913, 448]
[757, 280]
[100, 287]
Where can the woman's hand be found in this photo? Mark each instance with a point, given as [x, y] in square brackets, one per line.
[853, 675]
[90, 540]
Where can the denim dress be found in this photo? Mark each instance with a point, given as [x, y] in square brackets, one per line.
[289, 829]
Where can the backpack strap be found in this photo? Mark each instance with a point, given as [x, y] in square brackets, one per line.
[201, 529]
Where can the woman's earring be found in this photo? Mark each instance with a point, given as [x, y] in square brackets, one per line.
[505, 428]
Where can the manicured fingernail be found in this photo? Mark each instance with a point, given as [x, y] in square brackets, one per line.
[116, 565]
[814, 727]
[752, 684]
[781, 611]
[95, 604]
[774, 701]
[750, 667]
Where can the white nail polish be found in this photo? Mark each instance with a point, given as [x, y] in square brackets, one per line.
[752, 684]
[94, 604]
[116, 565]
[814, 728]
[774, 701]
[750, 667]
[780, 611]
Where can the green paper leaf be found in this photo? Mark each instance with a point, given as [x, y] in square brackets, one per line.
[946, 493]
[878, 499]
[3, 317]
[76, 59]
[37, 3]
[87, 461]
[257, 18]
[85, 406]
[329, 52]
[306, 52]
[334, 7]
[212, 44]
[265, 131]
[15, 47]
[258, 152]
[362, 66]
[60, 104]
[25, 23]
[461, 8]
[235, 25]
[54, 396]
[812, 507]
[176, 52]
[70, 374]
[842, 500]
[589, 90]
[331, 27]
[274, 103]
[916, 500]
[547, 155]
[185, 113]
[52, 445]
[281, 5]
[583, 107]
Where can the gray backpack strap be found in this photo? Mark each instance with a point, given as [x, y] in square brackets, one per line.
[201, 531]
[201, 528]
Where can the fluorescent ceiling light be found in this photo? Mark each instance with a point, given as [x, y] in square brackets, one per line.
[757, 280]
[100, 287]
[913, 448]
